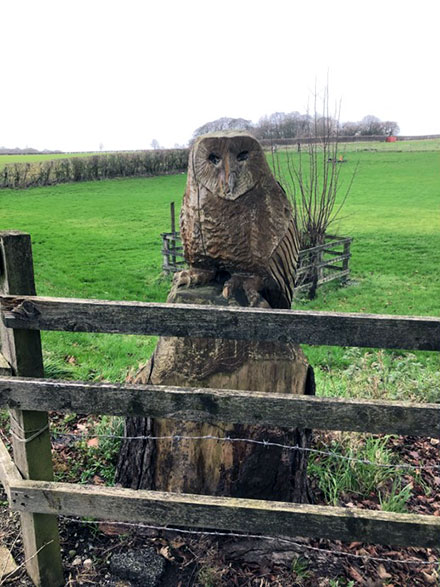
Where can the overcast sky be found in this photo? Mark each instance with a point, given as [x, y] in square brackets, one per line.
[79, 73]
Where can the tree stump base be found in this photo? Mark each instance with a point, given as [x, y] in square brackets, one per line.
[237, 468]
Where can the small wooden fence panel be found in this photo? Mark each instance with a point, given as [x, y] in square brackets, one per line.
[28, 478]
[323, 263]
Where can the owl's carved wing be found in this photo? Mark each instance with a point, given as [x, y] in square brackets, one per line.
[282, 267]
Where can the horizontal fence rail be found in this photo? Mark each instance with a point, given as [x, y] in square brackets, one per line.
[213, 405]
[295, 326]
[226, 513]
[28, 480]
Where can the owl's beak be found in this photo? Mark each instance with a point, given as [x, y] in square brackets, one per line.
[231, 182]
[228, 180]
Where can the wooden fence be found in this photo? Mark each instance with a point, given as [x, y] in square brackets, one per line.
[320, 264]
[28, 478]
[316, 266]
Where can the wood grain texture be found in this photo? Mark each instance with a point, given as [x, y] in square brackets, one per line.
[297, 326]
[236, 219]
[8, 470]
[327, 263]
[22, 350]
[5, 368]
[225, 513]
[336, 242]
[211, 405]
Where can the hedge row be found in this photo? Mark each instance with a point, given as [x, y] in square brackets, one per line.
[94, 167]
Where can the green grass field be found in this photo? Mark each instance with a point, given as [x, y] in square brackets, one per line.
[6, 159]
[397, 147]
[102, 240]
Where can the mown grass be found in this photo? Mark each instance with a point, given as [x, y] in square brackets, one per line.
[374, 146]
[7, 159]
[397, 147]
[102, 240]
[393, 213]
[96, 240]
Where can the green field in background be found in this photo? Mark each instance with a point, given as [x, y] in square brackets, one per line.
[399, 146]
[7, 159]
[102, 240]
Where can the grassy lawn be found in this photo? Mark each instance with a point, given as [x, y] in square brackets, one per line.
[6, 159]
[393, 213]
[96, 240]
[101, 240]
[397, 147]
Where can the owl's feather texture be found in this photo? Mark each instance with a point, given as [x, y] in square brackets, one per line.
[236, 218]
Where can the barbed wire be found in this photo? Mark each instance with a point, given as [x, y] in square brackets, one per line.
[179, 437]
[266, 443]
[209, 437]
[300, 545]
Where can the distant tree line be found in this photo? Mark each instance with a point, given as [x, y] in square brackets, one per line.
[26, 151]
[282, 125]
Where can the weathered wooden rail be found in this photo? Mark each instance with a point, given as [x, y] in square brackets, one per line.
[28, 478]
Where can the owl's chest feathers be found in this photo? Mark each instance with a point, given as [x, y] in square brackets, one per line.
[234, 234]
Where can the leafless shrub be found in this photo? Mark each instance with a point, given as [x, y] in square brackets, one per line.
[312, 179]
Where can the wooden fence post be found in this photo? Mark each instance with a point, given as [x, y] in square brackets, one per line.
[345, 262]
[166, 253]
[173, 237]
[31, 437]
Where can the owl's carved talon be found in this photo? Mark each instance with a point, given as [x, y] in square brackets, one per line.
[250, 286]
[191, 277]
[233, 284]
[256, 300]
[181, 279]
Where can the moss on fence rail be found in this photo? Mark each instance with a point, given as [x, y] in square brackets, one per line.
[94, 167]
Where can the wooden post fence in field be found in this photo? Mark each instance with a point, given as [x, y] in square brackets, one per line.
[28, 480]
[173, 231]
[311, 261]
[32, 451]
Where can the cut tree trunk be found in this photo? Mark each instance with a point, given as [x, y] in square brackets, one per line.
[209, 466]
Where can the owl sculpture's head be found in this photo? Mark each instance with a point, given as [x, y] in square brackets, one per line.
[228, 164]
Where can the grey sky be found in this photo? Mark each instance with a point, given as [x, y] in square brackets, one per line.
[77, 74]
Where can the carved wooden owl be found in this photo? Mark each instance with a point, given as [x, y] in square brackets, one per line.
[237, 222]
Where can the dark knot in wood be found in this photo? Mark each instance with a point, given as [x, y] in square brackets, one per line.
[26, 309]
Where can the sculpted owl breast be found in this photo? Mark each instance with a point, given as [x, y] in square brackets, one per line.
[236, 218]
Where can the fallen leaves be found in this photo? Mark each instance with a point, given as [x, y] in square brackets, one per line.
[383, 573]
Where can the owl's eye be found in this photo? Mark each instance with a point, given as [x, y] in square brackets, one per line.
[243, 155]
[214, 158]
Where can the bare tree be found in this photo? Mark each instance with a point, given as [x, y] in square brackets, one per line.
[390, 127]
[350, 129]
[371, 125]
[312, 179]
[224, 123]
[280, 125]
